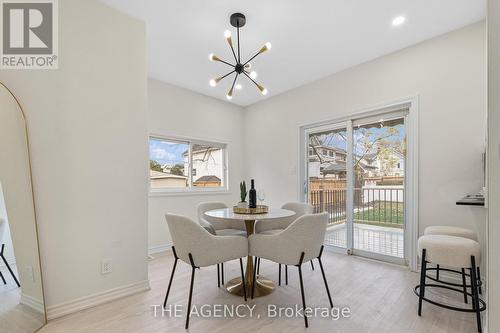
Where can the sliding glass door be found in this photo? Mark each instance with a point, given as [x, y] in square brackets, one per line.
[327, 177]
[355, 171]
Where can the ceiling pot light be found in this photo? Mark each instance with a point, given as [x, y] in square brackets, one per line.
[398, 20]
[238, 20]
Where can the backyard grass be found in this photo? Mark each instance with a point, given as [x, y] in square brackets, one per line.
[382, 213]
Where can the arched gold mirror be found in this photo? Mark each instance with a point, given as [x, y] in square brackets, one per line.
[22, 306]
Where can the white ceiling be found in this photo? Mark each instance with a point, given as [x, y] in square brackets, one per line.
[311, 39]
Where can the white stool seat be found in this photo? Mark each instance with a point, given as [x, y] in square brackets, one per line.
[451, 231]
[449, 251]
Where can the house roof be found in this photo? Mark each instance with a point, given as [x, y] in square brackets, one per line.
[153, 174]
[208, 178]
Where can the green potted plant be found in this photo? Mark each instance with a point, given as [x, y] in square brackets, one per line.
[243, 195]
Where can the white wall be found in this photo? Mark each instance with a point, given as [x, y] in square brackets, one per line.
[179, 112]
[493, 165]
[449, 75]
[87, 124]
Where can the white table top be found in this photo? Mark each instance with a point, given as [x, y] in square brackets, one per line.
[227, 213]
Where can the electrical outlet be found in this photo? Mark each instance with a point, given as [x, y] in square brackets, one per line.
[106, 266]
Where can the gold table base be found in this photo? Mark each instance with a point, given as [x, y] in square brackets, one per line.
[263, 287]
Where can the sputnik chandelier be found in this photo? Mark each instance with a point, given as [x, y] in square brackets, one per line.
[238, 20]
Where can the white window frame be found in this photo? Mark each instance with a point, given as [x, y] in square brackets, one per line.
[190, 189]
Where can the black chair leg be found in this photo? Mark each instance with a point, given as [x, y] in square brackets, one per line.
[421, 293]
[193, 269]
[258, 266]
[222, 272]
[8, 267]
[286, 275]
[437, 272]
[312, 265]
[218, 276]
[475, 295]
[279, 274]
[324, 277]
[479, 282]
[243, 280]
[171, 278]
[302, 289]
[3, 279]
[254, 276]
[464, 283]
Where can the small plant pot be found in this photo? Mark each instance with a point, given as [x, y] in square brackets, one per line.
[242, 204]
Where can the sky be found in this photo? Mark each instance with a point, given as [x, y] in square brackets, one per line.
[165, 152]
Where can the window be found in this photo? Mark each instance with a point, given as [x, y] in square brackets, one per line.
[186, 165]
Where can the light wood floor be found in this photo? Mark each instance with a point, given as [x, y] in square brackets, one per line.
[380, 297]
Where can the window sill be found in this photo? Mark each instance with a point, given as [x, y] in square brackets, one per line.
[176, 193]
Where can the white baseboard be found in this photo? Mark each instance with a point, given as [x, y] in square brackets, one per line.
[32, 302]
[63, 309]
[160, 248]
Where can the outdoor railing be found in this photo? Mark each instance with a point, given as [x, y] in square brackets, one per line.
[372, 205]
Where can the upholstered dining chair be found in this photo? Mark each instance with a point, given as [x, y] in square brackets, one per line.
[275, 226]
[219, 227]
[300, 242]
[198, 248]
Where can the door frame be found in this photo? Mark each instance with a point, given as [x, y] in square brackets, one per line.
[411, 172]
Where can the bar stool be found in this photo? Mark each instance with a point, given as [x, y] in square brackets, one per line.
[455, 252]
[457, 232]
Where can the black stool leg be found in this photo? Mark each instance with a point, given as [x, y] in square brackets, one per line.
[279, 274]
[286, 275]
[222, 272]
[258, 266]
[193, 269]
[464, 282]
[475, 296]
[243, 280]
[218, 276]
[254, 276]
[421, 293]
[302, 289]
[8, 267]
[3, 279]
[171, 278]
[479, 282]
[312, 265]
[437, 272]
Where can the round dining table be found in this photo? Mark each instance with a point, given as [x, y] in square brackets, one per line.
[263, 286]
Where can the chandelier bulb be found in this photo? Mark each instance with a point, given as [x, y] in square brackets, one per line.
[227, 34]
[253, 75]
[248, 66]
[212, 83]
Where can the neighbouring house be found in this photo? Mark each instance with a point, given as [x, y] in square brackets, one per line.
[208, 181]
[163, 179]
[207, 165]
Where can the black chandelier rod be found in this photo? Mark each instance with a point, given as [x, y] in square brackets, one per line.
[225, 62]
[248, 76]
[231, 72]
[252, 58]
[238, 33]
[234, 81]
